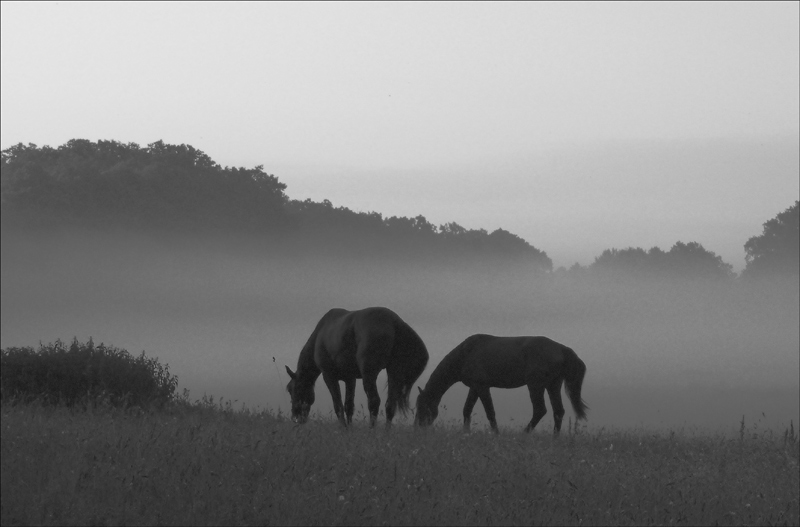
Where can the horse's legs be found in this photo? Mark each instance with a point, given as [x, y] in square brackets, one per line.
[349, 397]
[539, 409]
[554, 390]
[391, 399]
[488, 406]
[472, 398]
[370, 381]
[336, 394]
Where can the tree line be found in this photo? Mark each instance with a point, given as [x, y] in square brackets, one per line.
[167, 187]
[773, 253]
[163, 186]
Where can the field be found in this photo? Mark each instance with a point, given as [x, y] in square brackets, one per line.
[673, 367]
[207, 464]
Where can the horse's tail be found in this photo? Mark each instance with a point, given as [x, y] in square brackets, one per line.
[574, 371]
[409, 358]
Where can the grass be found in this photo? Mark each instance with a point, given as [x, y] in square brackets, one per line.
[208, 464]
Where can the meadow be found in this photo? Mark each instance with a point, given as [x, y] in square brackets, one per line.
[206, 463]
[673, 367]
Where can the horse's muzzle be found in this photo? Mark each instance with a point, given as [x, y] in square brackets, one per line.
[300, 416]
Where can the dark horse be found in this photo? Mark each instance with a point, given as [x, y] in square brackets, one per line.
[483, 361]
[350, 345]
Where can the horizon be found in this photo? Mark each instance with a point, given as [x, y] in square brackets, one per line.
[730, 225]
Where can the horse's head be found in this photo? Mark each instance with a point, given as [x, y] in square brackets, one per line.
[427, 409]
[302, 394]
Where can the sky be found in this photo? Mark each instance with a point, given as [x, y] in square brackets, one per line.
[578, 126]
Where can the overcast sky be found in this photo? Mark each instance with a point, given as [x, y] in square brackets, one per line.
[577, 126]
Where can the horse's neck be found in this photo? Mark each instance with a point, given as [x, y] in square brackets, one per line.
[448, 372]
[442, 378]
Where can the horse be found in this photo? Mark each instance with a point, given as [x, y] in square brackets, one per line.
[485, 361]
[349, 345]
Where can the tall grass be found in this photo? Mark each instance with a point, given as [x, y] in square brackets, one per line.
[205, 463]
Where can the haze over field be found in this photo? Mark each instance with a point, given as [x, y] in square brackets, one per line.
[577, 127]
[218, 311]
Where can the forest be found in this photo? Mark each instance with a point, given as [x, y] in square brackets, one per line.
[178, 189]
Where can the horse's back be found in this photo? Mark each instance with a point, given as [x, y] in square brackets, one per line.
[368, 321]
[374, 320]
[364, 338]
[509, 362]
[333, 319]
[521, 345]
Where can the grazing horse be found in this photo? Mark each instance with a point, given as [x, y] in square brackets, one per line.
[484, 361]
[350, 345]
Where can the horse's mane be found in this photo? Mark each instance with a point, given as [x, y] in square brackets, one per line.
[305, 361]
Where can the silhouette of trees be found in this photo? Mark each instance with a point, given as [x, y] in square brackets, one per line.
[682, 260]
[777, 250]
[163, 186]
[160, 185]
[166, 186]
[412, 237]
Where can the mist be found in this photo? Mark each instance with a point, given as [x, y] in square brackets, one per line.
[227, 313]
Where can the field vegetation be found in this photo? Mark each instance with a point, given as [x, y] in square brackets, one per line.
[205, 463]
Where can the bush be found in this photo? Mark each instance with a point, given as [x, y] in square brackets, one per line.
[84, 374]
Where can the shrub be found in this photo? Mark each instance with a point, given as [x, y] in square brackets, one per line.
[83, 374]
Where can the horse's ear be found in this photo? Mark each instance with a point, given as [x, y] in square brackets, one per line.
[290, 372]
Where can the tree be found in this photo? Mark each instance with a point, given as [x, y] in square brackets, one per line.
[692, 259]
[632, 260]
[775, 251]
[452, 229]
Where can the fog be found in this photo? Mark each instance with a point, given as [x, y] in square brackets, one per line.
[228, 313]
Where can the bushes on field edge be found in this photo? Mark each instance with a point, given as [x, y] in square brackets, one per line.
[83, 373]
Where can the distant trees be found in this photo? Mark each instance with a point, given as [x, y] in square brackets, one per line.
[682, 260]
[165, 186]
[158, 185]
[411, 237]
[777, 250]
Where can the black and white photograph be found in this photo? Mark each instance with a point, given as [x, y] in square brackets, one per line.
[400, 263]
